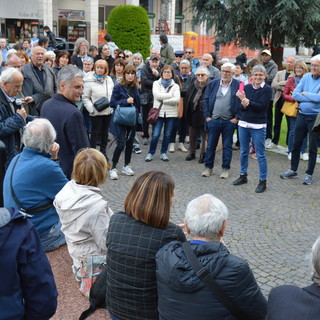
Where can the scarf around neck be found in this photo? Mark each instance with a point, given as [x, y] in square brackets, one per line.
[99, 78]
[200, 87]
[166, 83]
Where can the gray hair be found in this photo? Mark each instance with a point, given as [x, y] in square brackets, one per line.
[205, 216]
[78, 44]
[68, 73]
[315, 58]
[202, 69]
[258, 68]
[137, 55]
[8, 73]
[39, 134]
[88, 59]
[315, 261]
[37, 47]
[50, 54]
[185, 61]
[229, 65]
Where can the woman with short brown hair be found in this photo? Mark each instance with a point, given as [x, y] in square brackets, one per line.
[133, 239]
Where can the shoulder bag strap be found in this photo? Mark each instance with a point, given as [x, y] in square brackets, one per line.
[207, 278]
[32, 210]
[167, 91]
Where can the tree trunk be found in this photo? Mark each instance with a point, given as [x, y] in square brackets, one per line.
[277, 46]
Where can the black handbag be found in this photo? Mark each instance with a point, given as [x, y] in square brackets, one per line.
[102, 104]
[205, 276]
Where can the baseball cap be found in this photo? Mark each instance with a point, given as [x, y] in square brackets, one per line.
[266, 51]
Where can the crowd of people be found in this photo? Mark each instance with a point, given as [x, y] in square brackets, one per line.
[56, 109]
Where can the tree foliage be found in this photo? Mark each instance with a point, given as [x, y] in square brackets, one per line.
[251, 22]
[130, 29]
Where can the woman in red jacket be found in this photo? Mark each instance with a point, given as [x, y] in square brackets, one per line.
[300, 70]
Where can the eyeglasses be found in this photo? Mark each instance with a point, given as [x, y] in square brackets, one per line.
[167, 71]
[178, 55]
[132, 73]
[188, 52]
[315, 66]
[201, 75]
[225, 71]
[127, 56]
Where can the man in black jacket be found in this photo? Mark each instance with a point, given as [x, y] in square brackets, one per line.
[182, 294]
[51, 36]
[149, 74]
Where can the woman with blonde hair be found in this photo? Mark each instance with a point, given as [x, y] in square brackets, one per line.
[83, 212]
[300, 69]
[134, 237]
[97, 84]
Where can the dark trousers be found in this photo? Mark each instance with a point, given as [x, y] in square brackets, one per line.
[100, 127]
[181, 127]
[304, 125]
[277, 122]
[269, 121]
[194, 133]
[145, 125]
[125, 137]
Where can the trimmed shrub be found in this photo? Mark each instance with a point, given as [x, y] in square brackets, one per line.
[130, 29]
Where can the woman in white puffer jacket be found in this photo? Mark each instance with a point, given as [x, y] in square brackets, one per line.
[167, 92]
[98, 84]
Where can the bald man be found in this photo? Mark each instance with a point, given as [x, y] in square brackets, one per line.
[206, 61]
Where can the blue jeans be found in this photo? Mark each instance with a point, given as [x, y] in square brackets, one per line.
[304, 126]
[53, 239]
[168, 123]
[291, 136]
[215, 127]
[258, 137]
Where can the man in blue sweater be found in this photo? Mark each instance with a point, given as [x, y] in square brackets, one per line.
[307, 94]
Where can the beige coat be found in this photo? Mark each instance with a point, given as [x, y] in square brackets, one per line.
[93, 91]
[279, 83]
[84, 216]
[170, 99]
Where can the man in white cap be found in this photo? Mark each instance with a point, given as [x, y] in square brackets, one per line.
[271, 69]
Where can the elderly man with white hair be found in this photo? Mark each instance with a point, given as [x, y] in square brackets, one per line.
[184, 293]
[12, 117]
[308, 97]
[221, 107]
[34, 178]
[294, 303]
[206, 61]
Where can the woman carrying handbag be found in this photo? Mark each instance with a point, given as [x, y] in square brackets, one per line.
[98, 87]
[125, 94]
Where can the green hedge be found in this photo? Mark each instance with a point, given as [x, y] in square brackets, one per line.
[130, 29]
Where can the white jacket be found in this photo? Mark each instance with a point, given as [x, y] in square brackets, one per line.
[170, 99]
[84, 216]
[93, 91]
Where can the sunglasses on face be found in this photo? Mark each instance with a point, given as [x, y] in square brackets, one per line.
[201, 75]
[188, 52]
[128, 56]
[178, 55]
[121, 57]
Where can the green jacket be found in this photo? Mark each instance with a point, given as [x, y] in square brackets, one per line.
[167, 55]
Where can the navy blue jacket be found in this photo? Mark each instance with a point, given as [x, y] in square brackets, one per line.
[210, 95]
[120, 94]
[71, 131]
[10, 124]
[182, 295]
[294, 303]
[27, 289]
[260, 98]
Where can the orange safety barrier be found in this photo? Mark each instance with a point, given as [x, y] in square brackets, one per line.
[205, 44]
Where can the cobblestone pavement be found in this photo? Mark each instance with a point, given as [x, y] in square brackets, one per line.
[273, 231]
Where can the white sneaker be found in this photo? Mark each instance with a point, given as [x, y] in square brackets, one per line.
[267, 142]
[318, 158]
[114, 174]
[127, 171]
[181, 147]
[171, 147]
[271, 145]
[304, 156]
[289, 155]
